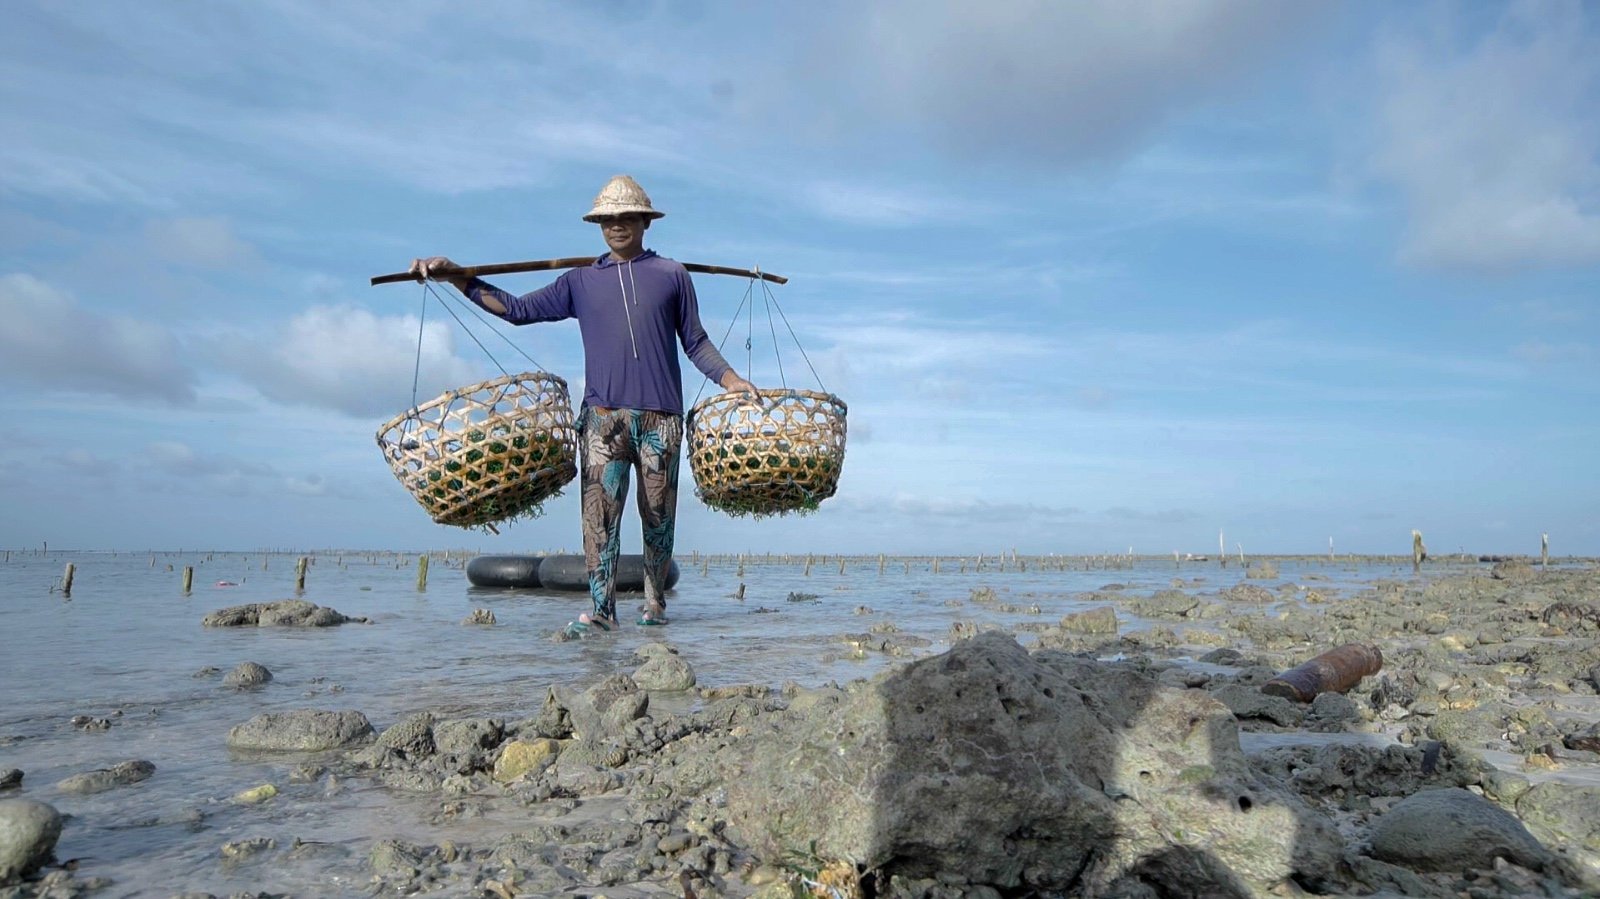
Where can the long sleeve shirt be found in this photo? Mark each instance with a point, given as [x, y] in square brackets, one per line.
[632, 316]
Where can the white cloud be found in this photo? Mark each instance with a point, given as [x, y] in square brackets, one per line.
[51, 342]
[199, 242]
[1497, 147]
[1036, 82]
[348, 360]
[877, 205]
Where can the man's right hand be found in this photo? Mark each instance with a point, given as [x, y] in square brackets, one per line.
[438, 268]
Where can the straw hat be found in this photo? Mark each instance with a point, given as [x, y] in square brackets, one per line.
[622, 195]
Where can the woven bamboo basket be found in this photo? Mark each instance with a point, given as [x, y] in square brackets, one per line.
[782, 456]
[486, 452]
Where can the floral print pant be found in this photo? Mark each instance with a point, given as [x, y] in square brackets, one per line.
[610, 442]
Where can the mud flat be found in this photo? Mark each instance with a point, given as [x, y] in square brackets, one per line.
[1125, 749]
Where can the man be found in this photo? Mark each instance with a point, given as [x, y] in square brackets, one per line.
[632, 307]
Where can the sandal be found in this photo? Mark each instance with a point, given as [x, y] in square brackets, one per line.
[653, 618]
[584, 624]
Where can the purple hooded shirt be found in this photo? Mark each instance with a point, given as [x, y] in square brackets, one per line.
[631, 314]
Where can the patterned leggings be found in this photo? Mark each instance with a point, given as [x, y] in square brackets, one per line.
[610, 442]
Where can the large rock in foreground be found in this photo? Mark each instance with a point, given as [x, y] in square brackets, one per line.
[283, 613]
[1453, 830]
[1043, 772]
[28, 834]
[301, 730]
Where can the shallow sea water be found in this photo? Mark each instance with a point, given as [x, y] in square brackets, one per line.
[127, 645]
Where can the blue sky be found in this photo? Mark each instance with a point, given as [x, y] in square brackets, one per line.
[1090, 276]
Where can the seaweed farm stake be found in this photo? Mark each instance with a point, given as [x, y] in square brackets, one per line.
[1544, 551]
[808, 566]
[66, 580]
[300, 575]
[422, 572]
[935, 564]
[841, 564]
[880, 564]
[188, 579]
[1419, 552]
[1222, 549]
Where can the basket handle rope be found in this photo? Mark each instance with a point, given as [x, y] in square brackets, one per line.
[770, 300]
[427, 291]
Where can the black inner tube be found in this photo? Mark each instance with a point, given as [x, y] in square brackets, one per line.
[572, 573]
[504, 571]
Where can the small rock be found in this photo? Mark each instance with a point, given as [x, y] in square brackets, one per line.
[284, 613]
[1261, 571]
[247, 674]
[10, 778]
[28, 834]
[1099, 620]
[518, 758]
[87, 722]
[103, 779]
[302, 730]
[1512, 570]
[412, 737]
[1248, 702]
[242, 849]
[666, 673]
[480, 616]
[1453, 830]
[256, 794]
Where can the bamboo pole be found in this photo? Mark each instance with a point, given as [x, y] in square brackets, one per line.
[66, 579]
[546, 265]
[880, 563]
[1419, 551]
[188, 579]
[300, 575]
[422, 572]
[1544, 550]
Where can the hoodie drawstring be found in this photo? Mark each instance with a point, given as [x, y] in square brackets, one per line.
[631, 339]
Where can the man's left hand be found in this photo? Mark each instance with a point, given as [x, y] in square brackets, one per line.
[732, 383]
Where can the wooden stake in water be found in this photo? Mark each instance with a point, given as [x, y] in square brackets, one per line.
[1419, 552]
[188, 579]
[422, 572]
[841, 564]
[880, 563]
[808, 566]
[1544, 550]
[66, 579]
[1222, 549]
[300, 575]
[935, 564]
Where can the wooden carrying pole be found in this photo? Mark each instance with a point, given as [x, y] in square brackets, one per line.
[545, 265]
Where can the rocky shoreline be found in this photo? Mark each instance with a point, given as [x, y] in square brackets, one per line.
[1009, 764]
